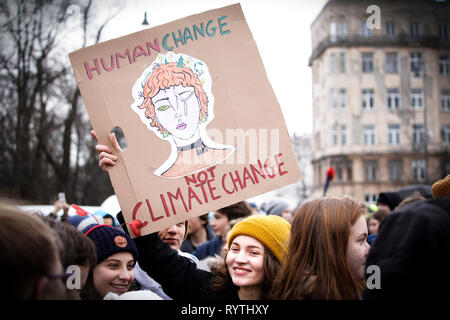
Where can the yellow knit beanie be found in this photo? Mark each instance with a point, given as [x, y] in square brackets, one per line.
[272, 231]
[441, 188]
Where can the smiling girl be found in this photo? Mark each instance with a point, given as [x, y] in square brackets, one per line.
[116, 257]
[254, 256]
[256, 249]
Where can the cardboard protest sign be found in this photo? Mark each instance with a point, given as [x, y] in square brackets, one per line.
[201, 121]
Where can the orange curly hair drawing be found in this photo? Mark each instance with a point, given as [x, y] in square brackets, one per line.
[164, 77]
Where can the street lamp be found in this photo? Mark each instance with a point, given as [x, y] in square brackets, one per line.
[145, 22]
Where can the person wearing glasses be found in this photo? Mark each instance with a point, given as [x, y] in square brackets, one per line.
[77, 252]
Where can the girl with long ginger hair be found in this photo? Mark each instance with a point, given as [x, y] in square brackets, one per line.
[326, 254]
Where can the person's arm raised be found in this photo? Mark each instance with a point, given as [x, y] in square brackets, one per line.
[106, 156]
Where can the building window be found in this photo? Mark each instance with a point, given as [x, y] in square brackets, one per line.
[343, 98]
[367, 62]
[370, 170]
[395, 170]
[370, 198]
[444, 65]
[333, 33]
[416, 63]
[339, 131]
[333, 98]
[446, 135]
[342, 29]
[337, 30]
[417, 101]
[368, 99]
[418, 134]
[349, 170]
[418, 170]
[338, 166]
[344, 135]
[391, 62]
[443, 31]
[390, 28]
[414, 29]
[334, 135]
[365, 31]
[332, 63]
[369, 135]
[393, 99]
[445, 100]
[342, 62]
[394, 134]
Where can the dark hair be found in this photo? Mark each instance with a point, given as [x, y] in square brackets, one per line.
[416, 196]
[88, 292]
[74, 248]
[230, 226]
[271, 266]
[391, 199]
[204, 217]
[380, 215]
[236, 210]
[108, 216]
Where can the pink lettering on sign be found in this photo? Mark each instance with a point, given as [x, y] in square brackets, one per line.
[205, 186]
[115, 59]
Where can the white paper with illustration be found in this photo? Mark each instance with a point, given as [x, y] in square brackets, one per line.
[173, 98]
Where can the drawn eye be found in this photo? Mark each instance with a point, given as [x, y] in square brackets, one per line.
[163, 108]
[186, 94]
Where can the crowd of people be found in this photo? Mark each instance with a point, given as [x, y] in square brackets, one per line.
[322, 253]
[322, 250]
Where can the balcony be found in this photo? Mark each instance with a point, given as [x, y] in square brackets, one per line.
[356, 40]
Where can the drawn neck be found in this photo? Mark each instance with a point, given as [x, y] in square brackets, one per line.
[180, 143]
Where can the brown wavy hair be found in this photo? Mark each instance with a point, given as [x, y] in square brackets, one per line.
[316, 260]
[165, 76]
[28, 252]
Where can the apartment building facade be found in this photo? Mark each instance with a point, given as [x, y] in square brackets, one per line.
[381, 95]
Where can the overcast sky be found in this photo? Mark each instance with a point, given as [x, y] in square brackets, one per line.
[281, 29]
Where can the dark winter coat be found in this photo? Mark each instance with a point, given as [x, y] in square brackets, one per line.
[209, 248]
[187, 245]
[179, 277]
[412, 252]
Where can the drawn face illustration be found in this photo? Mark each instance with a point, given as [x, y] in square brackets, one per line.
[173, 98]
[177, 110]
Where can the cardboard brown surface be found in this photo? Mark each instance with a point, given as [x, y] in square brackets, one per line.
[240, 148]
